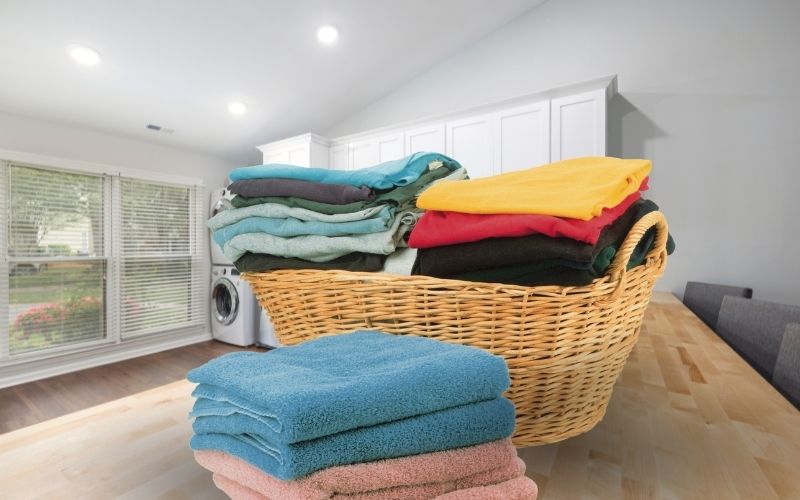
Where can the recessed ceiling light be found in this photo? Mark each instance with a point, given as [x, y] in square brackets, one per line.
[327, 34]
[237, 108]
[84, 55]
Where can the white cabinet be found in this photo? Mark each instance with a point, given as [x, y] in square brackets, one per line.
[367, 152]
[429, 138]
[390, 147]
[522, 137]
[307, 150]
[501, 137]
[276, 156]
[471, 142]
[363, 154]
[339, 157]
[578, 125]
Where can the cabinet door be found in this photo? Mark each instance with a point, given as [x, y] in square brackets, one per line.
[390, 147]
[339, 157]
[300, 156]
[319, 155]
[578, 125]
[363, 154]
[522, 137]
[470, 142]
[429, 139]
[276, 156]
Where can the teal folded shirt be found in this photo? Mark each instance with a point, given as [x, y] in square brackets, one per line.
[290, 227]
[382, 176]
[465, 425]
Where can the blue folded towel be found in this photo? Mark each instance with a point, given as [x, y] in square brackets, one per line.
[340, 382]
[382, 176]
[465, 425]
[289, 227]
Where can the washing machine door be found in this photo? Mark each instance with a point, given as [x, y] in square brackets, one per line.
[224, 301]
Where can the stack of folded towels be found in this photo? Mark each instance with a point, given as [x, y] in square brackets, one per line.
[290, 217]
[559, 224]
[365, 415]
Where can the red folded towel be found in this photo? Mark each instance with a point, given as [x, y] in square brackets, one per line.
[436, 229]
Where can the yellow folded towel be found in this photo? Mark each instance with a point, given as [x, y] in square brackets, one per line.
[578, 188]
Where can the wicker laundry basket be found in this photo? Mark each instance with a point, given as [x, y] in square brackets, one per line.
[564, 346]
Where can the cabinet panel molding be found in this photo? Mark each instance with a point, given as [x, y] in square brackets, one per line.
[522, 137]
[470, 141]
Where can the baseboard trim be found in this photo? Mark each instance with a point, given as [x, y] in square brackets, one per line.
[21, 373]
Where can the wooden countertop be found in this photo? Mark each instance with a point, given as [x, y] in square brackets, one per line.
[688, 419]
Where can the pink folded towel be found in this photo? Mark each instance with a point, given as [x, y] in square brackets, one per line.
[235, 490]
[417, 476]
[519, 488]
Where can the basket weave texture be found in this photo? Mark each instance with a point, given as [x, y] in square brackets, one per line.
[564, 346]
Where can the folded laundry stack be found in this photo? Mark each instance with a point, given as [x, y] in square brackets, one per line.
[558, 224]
[365, 415]
[289, 217]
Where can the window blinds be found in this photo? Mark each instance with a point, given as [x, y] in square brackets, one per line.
[95, 258]
[158, 271]
[56, 258]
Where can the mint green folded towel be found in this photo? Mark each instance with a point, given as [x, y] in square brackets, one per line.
[290, 227]
[319, 248]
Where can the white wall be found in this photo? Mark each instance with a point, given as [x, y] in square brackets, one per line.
[710, 91]
[46, 138]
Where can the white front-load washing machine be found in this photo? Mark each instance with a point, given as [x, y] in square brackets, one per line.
[234, 310]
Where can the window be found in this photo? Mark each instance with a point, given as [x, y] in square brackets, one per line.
[56, 259]
[95, 259]
[156, 278]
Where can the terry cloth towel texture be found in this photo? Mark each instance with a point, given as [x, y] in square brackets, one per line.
[416, 476]
[579, 188]
[340, 382]
[382, 176]
[490, 253]
[322, 248]
[337, 194]
[403, 196]
[436, 228]
[290, 227]
[278, 211]
[252, 440]
[356, 261]
[518, 488]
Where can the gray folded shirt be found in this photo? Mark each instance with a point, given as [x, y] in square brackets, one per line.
[335, 194]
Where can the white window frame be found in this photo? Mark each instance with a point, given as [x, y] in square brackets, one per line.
[111, 210]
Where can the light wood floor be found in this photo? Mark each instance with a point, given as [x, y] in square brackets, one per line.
[27, 404]
[688, 419]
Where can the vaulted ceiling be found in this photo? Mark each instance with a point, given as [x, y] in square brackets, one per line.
[178, 63]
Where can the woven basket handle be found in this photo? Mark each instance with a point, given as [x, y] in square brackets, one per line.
[658, 253]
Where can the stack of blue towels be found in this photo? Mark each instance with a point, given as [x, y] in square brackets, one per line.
[348, 399]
